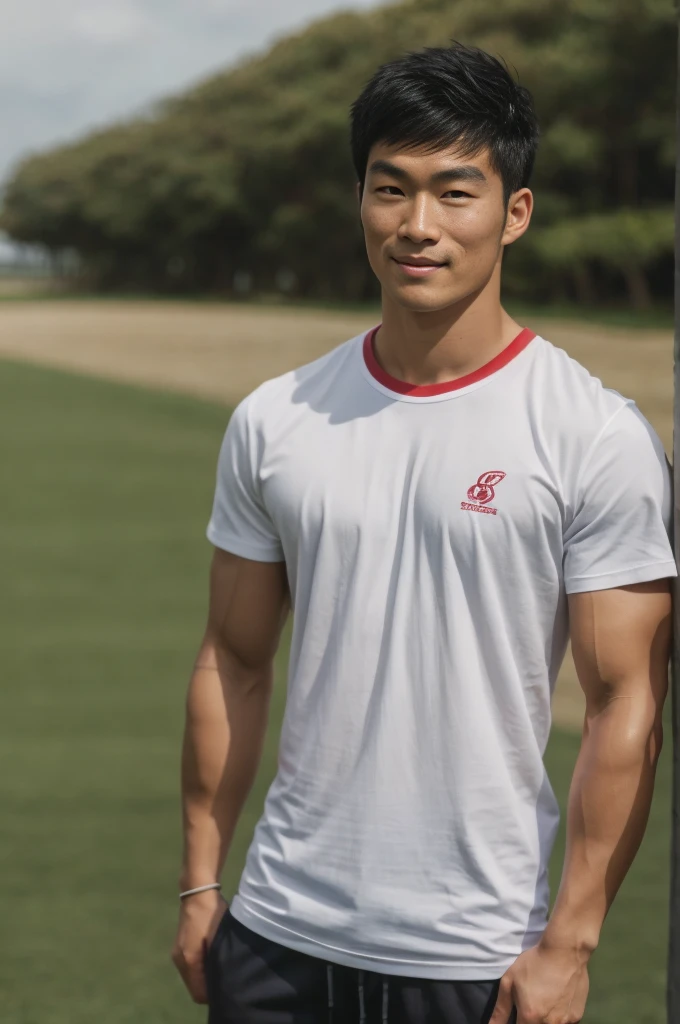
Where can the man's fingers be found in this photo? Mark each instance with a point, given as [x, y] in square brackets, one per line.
[197, 988]
[193, 975]
[504, 1004]
[194, 979]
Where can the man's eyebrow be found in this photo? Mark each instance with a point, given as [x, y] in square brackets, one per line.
[464, 172]
[385, 167]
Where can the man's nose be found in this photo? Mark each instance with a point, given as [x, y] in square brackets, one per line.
[420, 224]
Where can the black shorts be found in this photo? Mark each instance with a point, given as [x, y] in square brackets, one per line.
[252, 980]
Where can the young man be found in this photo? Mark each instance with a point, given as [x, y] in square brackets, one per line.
[440, 501]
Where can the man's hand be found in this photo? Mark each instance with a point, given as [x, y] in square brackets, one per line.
[199, 919]
[226, 721]
[546, 985]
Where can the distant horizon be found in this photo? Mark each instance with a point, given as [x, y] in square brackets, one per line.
[79, 68]
[20, 254]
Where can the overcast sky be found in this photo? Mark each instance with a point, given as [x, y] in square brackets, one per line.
[70, 65]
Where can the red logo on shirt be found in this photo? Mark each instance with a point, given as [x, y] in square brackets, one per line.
[483, 492]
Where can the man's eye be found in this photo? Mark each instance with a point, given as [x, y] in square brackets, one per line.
[390, 190]
[456, 194]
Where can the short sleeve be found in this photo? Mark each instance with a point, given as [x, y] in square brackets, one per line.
[239, 522]
[619, 533]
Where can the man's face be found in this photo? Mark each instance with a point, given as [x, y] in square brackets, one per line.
[435, 224]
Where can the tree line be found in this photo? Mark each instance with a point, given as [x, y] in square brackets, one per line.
[245, 184]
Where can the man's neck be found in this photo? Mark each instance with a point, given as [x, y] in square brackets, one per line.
[432, 348]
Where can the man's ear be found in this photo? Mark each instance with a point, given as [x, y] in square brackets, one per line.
[518, 217]
[360, 193]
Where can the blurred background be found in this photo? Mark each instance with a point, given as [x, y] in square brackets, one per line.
[178, 224]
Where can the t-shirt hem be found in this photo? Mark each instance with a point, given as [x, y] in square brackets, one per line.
[236, 546]
[621, 578]
[383, 965]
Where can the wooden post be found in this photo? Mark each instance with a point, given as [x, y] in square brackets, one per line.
[674, 943]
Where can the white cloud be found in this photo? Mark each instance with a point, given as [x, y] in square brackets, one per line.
[108, 22]
[67, 66]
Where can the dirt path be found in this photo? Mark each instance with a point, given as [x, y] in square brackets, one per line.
[222, 352]
[218, 352]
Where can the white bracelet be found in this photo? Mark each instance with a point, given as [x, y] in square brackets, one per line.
[201, 888]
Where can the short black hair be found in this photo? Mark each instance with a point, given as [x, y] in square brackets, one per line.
[449, 96]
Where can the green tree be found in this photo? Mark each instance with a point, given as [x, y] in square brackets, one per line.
[250, 172]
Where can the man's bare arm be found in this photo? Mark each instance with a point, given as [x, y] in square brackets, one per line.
[226, 719]
[621, 644]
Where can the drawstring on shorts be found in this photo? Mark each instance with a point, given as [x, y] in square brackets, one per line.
[362, 997]
[385, 1000]
[329, 984]
[362, 1002]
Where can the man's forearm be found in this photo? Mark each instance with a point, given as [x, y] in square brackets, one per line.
[609, 804]
[227, 710]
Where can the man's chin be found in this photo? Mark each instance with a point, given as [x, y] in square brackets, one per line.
[422, 300]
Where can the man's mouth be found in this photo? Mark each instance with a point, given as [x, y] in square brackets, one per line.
[418, 266]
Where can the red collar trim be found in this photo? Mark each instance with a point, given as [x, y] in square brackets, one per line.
[401, 387]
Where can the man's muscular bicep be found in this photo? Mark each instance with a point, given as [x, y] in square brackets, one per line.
[621, 642]
[249, 604]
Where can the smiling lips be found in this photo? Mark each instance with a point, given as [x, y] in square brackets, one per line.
[418, 266]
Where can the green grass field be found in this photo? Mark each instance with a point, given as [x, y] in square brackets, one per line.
[107, 491]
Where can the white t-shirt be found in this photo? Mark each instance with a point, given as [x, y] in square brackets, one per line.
[430, 536]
